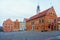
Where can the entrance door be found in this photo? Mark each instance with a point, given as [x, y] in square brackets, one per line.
[32, 27]
[43, 28]
[52, 27]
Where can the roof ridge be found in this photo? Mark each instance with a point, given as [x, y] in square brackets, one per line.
[40, 14]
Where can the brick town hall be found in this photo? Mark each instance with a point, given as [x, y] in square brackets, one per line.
[43, 21]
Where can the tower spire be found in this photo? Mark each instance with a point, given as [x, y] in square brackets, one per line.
[38, 7]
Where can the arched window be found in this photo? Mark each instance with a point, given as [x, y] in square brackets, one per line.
[42, 20]
[49, 26]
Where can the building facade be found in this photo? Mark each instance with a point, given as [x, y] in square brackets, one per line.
[43, 21]
[8, 25]
[22, 26]
[58, 23]
[16, 25]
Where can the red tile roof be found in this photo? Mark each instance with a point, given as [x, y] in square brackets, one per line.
[39, 15]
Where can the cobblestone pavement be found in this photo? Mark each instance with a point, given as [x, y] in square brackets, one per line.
[28, 35]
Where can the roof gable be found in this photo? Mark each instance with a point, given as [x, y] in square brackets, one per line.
[8, 21]
[43, 13]
[51, 12]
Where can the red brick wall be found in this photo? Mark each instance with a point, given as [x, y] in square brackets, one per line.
[16, 25]
[42, 26]
[8, 25]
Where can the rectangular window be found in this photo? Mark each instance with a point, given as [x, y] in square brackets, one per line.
[42, 20]
[32, 22]
[54, 20]
[51, 13]
[39, 21]
[50, 20]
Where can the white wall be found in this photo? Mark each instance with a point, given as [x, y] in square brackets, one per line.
[22, 26]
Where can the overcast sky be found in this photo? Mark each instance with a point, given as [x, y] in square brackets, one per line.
[19, 9]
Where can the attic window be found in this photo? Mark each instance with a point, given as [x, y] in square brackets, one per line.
[51, 13]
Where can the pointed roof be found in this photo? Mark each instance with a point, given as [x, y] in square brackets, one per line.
[16, 20]
[39, 14]
[8, 20]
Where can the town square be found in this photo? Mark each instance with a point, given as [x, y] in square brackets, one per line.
[29, 20]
